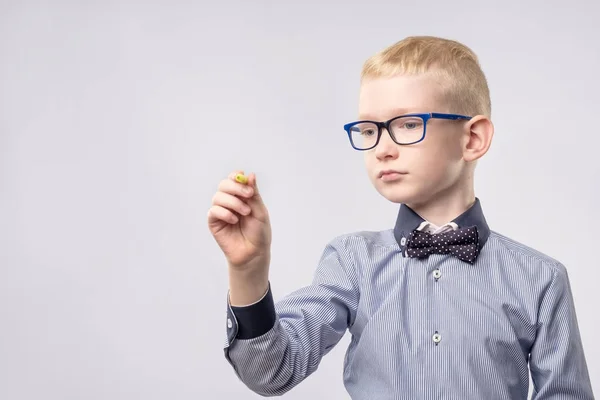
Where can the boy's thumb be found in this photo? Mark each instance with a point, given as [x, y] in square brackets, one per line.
[252, 183]
[260, 211]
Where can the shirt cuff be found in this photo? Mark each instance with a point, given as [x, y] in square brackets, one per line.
[256, 319]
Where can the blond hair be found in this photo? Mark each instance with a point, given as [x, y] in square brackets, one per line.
[457, 67]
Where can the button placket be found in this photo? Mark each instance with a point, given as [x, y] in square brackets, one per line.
[435, 263]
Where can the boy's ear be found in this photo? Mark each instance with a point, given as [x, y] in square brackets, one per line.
[479, 132]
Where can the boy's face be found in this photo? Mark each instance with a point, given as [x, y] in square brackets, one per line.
[426, 169]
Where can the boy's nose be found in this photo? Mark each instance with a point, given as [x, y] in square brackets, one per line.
[386, 148]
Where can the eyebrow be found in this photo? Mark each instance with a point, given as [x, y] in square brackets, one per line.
[395, 112]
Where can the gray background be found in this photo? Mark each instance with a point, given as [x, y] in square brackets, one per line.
[118, 120]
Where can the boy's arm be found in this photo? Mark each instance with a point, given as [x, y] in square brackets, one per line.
[272, 348]
[557, 362]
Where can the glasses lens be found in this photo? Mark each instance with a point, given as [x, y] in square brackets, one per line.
[363, 135]
[407, 130]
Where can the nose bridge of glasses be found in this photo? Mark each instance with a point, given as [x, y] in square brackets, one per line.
[386, 125]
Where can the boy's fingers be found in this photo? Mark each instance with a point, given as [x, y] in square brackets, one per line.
[231, 202]
[218, 213]
[256, 201]
[235, 188]
[250, 179]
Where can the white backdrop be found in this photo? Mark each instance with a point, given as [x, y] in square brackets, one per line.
[118, 120]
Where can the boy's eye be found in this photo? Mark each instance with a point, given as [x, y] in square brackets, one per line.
[364, 130]
[408, 124]
[368, 132]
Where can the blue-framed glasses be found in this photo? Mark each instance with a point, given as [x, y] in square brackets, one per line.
[404, 129]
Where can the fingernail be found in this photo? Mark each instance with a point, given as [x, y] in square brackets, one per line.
[247, 190]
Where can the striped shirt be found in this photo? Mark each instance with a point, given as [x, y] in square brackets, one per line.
[479, 329]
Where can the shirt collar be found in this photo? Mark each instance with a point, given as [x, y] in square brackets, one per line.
[408, 220]
[433, 229]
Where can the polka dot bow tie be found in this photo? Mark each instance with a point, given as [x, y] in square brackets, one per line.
[462, 243]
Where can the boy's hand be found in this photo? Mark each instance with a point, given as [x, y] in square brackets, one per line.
[239, 222]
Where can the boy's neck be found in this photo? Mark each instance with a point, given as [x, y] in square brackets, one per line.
[446, 206]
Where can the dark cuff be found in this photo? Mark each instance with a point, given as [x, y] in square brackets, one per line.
[257, 319]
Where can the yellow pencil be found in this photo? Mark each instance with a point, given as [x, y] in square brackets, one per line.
[241, 178]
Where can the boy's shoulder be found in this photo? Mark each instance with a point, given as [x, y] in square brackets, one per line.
[366, 239]
[512, 250]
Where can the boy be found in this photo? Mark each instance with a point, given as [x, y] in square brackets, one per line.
[439, 306]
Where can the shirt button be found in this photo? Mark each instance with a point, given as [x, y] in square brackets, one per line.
[229, 323]
[437, 274]
[402, 241]
[437, 338]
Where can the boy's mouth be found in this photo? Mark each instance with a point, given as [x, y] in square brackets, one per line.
[390, 175]
[390, 172]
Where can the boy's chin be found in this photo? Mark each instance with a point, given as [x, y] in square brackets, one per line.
[403, 194]
[400, 194]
